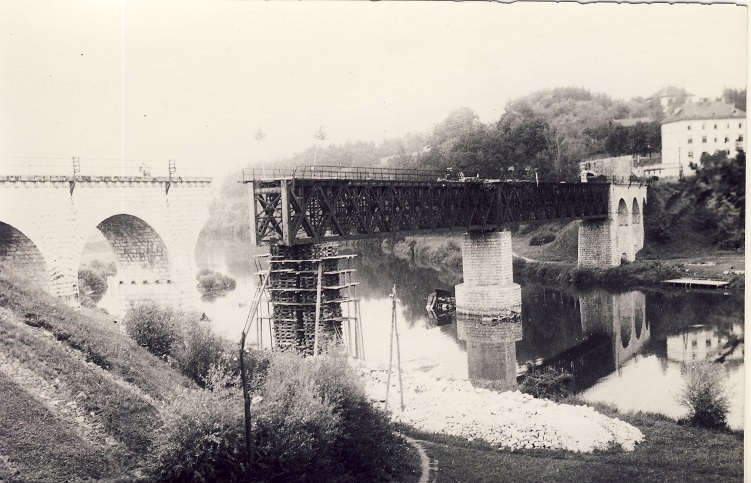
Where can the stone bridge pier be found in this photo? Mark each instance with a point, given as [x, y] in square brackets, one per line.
[152, 225]
[619, 237]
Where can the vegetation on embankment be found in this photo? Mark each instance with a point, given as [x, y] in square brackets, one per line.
[80, 399]
[83, 401]
[669, 453]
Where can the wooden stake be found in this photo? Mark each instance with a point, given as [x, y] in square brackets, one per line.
[398, 350]
[246, 401]
[318, 308]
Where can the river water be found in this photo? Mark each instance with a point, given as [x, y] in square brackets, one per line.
[625, 348]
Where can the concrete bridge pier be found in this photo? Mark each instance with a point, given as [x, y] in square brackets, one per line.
[488, 287]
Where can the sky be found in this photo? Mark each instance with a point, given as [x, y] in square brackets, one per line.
[194, 81]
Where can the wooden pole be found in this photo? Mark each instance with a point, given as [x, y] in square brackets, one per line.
[398, 351]
[318, 308]
[391, 349]
[246, 401]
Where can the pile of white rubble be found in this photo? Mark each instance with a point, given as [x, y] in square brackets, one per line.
[510, 420]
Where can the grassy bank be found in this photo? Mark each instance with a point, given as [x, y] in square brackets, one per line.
[669, 453]
[80, 399]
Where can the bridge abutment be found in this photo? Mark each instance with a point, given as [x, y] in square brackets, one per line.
[611, 241]
[488, 287]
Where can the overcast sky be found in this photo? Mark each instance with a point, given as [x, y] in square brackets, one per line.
[194, 81]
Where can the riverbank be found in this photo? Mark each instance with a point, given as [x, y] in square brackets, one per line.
[472, 434]
[506, 420]
[556, 261]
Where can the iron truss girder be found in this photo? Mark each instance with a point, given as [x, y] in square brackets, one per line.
[296, 211]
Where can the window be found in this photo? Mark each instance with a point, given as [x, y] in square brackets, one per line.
[703, 126]
[727, 151]
[740, 138]
[690, 154]
[704, 139]
[690, 141]
[715, 126]
[689, 127]
[727, 139]
[715, 139]
[740, 124]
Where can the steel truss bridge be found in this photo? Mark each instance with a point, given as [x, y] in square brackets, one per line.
[319, 204]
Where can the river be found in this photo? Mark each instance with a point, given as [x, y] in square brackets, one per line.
[625, 348]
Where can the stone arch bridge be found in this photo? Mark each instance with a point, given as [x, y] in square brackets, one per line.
[151, 223]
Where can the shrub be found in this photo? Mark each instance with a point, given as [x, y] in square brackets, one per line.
[310, 422]
[196, 348]
[549, 383]
[92, 287]
[201, 438]
[541, 239]
[152, 326]
[213, 284]
[704, 395]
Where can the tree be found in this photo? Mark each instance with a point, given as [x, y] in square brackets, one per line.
[720, 186]
[737, 97]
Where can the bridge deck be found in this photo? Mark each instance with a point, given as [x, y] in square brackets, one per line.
[311, 209]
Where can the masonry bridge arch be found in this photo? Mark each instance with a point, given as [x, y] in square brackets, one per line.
[152, 225]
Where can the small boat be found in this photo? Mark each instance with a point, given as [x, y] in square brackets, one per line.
[440, 301]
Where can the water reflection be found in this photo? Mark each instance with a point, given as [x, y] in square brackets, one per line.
[491, 349]
[624, 348]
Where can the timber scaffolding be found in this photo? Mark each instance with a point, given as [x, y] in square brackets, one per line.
[311, 301]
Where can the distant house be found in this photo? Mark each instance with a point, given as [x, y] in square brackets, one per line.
[670, 96]
[621, 167]
[696, 128]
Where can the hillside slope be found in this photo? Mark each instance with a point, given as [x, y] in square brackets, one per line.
[80, 400]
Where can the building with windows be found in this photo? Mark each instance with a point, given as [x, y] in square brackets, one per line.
[696, 128]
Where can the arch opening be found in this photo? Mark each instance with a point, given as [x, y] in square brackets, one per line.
[635, 213]
[22, 256]
[132, 259]
[622, 213]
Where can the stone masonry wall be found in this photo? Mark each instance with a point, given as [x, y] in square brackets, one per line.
[607, 242]
[59, 220]
[488, 286]
[18, 253]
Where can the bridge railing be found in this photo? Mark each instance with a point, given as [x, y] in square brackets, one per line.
[93, 167]
[343, 172]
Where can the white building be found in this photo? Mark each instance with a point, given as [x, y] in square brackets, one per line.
[696, 128]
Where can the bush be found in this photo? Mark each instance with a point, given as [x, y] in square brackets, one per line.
[91, 286]
[213, 284]
[704, 395]
[310, 422]
[196, 348]
[201, 438]
[549, 383]
[152, 326]
[541, 239]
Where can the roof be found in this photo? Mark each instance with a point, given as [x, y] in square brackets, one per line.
[705, 110]
[669, 91]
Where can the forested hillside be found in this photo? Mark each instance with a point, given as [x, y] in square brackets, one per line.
[542, 135]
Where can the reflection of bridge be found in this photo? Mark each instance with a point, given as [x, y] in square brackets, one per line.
[151, 223]
[613, 327]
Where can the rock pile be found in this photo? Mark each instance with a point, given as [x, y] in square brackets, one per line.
[510, 420]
